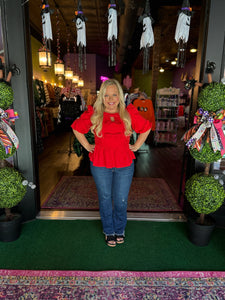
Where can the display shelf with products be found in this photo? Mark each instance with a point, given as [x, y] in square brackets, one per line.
[166, 115]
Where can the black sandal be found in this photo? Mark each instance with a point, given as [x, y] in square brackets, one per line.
[120, 239]
[110, 240]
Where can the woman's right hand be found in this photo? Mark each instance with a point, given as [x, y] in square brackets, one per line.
[84, 142]
[90, 148]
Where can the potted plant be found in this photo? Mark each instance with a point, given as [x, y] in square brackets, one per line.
[12, 191]
[12, 184]
[206, 143]
[205, 194]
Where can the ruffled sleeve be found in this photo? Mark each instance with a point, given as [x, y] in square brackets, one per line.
[138, 123]
[83, 123]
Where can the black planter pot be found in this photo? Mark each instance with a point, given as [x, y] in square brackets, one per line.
[198, 234]
[10, 230]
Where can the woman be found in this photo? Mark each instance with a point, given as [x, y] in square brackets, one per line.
[111, 157]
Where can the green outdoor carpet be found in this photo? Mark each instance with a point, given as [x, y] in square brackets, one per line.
[79, 245]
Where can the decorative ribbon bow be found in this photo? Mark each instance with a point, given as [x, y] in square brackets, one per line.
[7, 136]
[209, 125]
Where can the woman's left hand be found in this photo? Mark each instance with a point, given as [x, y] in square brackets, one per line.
[140, 141]
[133, 148]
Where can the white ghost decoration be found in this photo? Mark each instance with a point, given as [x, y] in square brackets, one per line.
[81, 32]
[112, 24]
[112, 35]
[46, 26]
[147, 38]
[183, 28]
[181, 36]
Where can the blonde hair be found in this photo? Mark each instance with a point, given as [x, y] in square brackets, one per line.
[99, 108]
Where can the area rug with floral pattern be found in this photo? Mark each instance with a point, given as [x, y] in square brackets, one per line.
[79, 192]
[19, 284]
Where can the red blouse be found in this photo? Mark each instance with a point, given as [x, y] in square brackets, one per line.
[112, 149]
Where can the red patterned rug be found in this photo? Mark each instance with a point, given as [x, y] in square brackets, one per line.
[19, 284]
[79, 193]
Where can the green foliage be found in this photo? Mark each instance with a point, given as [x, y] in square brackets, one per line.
[204, 193]
[3, 155]
[12, 190]
[212, 97]
[206, 155]
[6, 95]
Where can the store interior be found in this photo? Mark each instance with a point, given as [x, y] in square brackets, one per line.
[162, 86]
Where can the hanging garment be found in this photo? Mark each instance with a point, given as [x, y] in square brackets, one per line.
[46, 94]
[69, 110]
[40, 99]
[146, 110]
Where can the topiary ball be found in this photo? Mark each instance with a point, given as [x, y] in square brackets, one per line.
[3, 154]
[206, 155]
[212, 97]
[6, 95]
[12, 190]
[204, 193]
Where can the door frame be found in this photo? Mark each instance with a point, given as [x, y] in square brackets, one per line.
[17, 50]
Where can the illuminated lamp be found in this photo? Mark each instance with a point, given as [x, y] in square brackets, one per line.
[75, 79]
[59, 67]
[80, 82]
[44, 57]
[68, 73]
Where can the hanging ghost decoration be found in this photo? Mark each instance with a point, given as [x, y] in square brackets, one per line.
[112, 33]
[46, 22]
[147, 37]
[182, 32]
[81, 37]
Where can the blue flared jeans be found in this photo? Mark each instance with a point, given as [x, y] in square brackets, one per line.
[113, 185]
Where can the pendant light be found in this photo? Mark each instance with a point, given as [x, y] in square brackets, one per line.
[75, 79]
[44, 57]
[80, 82]
[59, 64]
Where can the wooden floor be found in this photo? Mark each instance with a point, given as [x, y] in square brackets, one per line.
[163, 161]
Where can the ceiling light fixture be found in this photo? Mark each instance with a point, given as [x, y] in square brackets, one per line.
[44, 57]
[75, 79]
[193, 50]
[173, 62]
[161, 70]
[80, 82]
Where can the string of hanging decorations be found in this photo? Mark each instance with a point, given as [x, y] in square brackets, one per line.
[75, 78]
[80, 20]
[182, 32]
[44, 53]
[59, 64]
[68, 70]
[147, 37]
